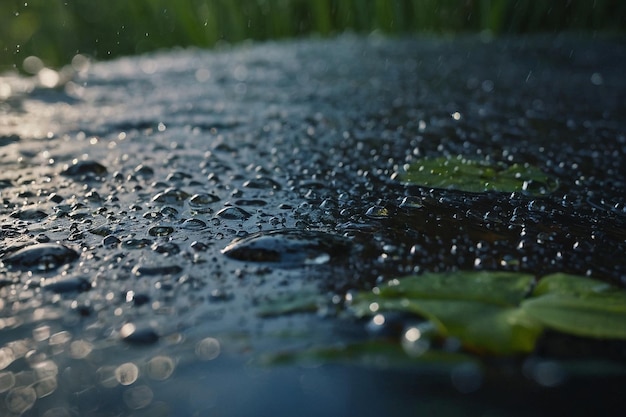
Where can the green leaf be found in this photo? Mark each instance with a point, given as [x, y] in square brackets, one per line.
[493, 287]
[479, 308]
[579, 306]
[475, 176]
[290, 304]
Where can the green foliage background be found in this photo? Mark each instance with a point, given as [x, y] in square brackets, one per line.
[56, 30]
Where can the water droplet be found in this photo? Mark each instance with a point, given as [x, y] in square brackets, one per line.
[203, 199]
[233, 213]
[289, 247]
[143, 171]
[377, 212]
[85, 169]
[171, 196]
[110, 242]
[29, 214]
[136, 243]
[262, 183]
[160, 231]
[40, 257]
[67, 285]
[193, 224]
[157, 270]
[138, 336]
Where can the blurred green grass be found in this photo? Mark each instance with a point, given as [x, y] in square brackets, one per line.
[57, 30]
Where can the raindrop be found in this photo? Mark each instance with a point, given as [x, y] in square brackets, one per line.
[29, 214]
[157, 270]
[85, 169]
[40, 257]
[233, 213]
[67, 285]
[203, 199]
[110, 242]
[289, 247]
[160, 231]
[377, 212]
[171, 196]
[143, 171]
[262, 183]
[193, 224]
[167, 248]
[136, 243]
[138, 336]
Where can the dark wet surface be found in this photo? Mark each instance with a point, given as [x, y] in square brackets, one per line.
[152, 204]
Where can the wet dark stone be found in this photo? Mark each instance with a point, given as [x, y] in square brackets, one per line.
[290, 247]
[233, 213]
[29, 214]
[85, 168]
[68, 285]
[40, 257]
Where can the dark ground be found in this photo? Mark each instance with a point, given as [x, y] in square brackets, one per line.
[172, 156]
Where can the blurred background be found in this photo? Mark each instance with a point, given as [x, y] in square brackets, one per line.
[57, 30]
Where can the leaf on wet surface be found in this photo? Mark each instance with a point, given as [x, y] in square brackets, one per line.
[301, 302]
[479, 308]
[490, 311]
[580, 306]
[459, 173]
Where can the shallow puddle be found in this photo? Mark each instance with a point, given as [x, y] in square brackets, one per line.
[180, 229]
